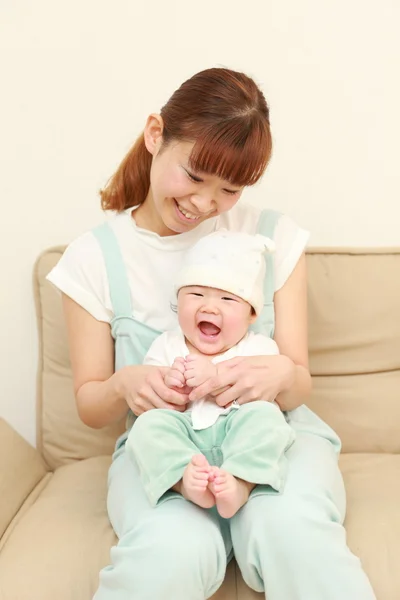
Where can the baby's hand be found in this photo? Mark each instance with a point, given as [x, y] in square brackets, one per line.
[198, 369]
[175, 376]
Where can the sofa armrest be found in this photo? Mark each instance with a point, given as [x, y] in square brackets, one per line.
[21, 469]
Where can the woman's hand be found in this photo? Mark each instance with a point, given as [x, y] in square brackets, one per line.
[144, 388]
[248, 378]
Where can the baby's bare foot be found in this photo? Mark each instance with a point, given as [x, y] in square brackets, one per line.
[230, 493]
[194, 483]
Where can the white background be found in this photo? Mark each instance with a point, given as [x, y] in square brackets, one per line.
[79, 78]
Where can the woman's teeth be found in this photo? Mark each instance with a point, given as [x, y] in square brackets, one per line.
[186, 213]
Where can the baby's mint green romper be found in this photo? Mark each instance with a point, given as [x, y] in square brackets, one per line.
[249, 442]
[290, 545]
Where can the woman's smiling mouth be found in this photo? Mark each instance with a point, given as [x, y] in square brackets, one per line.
[185, 213]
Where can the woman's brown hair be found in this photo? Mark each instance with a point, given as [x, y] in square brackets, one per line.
[226, 116]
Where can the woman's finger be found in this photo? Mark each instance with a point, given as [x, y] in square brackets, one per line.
[175, 374]
[152, 400]
[230, 395]
[139, 405]
[172, 381]
[219, 391]
[230, 363]
[242, 396]
[209, 387]
[160, 392]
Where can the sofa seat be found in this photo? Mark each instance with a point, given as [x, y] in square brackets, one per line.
[373, 517]
[68, 525]
[69, 519]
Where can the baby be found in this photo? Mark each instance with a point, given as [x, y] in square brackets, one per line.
[209, 454]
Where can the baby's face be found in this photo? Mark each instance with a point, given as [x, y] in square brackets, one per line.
[212, 320]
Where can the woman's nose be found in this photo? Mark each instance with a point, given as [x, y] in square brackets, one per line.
[203, 203]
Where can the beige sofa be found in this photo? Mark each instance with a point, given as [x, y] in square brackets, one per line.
[55, 536]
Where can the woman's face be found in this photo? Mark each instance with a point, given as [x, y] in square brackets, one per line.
[179, 199]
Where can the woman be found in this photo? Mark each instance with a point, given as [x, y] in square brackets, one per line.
[182, 180]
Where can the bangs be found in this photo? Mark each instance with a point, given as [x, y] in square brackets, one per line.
[233, 152]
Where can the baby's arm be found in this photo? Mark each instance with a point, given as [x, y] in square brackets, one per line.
[198, 369]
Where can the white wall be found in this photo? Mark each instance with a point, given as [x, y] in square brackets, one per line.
[78, 79]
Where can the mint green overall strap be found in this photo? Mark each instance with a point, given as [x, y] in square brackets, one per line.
[266, 226]
[265, 323]
[120, 292]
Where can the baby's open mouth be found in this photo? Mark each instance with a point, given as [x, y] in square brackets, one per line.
[208, 329]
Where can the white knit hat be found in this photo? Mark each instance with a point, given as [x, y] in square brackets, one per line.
[230, 261]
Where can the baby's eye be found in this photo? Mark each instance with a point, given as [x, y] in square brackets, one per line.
[196, 294]
[228, 298]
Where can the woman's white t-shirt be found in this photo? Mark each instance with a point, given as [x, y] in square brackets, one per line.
[152, 263]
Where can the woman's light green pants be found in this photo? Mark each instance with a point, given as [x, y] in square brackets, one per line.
[292, 546]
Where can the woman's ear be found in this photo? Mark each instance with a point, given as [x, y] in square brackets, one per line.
[153, 133]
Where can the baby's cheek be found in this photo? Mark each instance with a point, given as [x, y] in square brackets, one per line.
[236, 326]
[186, 321]
[231, 325]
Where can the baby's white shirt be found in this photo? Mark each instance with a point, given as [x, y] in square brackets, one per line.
[171, 345]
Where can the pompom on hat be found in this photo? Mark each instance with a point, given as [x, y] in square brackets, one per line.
[230, 261]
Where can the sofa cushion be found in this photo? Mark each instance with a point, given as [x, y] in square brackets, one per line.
[69, 519]
[373, 517]
[61, 435]
[362, 408]
[354, 342]
[21, 470]
[354, 310]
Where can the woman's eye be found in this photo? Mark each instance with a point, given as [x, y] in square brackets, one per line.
[231, 192]
[193, 177]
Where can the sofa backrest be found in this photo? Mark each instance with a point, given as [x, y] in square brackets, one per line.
[61, 435]
[354, 341]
